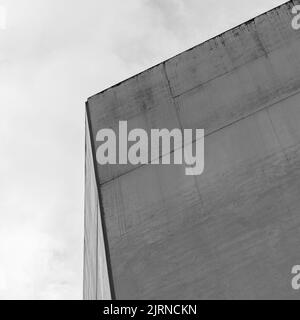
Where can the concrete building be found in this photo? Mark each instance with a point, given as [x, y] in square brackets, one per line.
[152, 232]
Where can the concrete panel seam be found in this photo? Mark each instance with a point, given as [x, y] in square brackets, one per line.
[267, 106]
[276, 135]
[175, 106]
[190, 49]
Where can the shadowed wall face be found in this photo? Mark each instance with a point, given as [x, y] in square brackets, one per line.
[232, 232]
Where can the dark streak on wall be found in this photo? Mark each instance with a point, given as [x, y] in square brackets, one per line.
[234, 231]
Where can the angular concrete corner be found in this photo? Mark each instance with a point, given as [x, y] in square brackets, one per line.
[95, 279]
[151, 232]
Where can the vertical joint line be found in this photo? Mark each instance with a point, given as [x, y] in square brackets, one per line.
[172, 95]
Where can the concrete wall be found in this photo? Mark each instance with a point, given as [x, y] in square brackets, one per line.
[95, 278]
[234, 231]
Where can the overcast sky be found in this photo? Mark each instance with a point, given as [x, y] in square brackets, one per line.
[53, 55]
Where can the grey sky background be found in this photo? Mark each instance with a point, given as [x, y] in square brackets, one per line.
[53, 55]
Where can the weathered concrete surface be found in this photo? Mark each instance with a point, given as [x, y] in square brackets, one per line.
[234, 231]
[95, 277]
